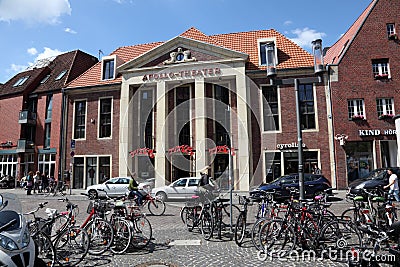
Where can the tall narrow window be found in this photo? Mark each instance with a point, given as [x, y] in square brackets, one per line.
[80, 119]
[108, 69]
[270, 108]
[104, 169]
[47, 135]
[146, 118]
[391, 31]
[380, 68]
[105, 117]
[263, 53]
[385, 106]
[49, 107]
[307, 110]
[356, 109]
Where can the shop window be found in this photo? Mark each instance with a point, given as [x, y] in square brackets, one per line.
[380, 69]
[108, 68]
[273, 165]
[91, 171]
[104, 169]
[270, 108]
[385, 107]
[356, 109]
[78, 172]
[105, 117]
[291, 161]
[307, 109]
[80, 119]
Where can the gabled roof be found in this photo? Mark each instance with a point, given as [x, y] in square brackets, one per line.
[290, 55]
[74, 63]
[336, 52]
[35, 75]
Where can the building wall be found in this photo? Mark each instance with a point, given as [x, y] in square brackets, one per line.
[9, 114]
[355, 80]
[92, 145]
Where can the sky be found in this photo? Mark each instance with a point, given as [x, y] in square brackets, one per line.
[31, 30]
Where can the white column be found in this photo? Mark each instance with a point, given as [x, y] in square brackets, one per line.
[200, 122]
[124, 143]
[160, 134]
[243, 144]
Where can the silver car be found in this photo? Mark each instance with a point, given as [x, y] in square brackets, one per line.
[115, 187]
[183, 188]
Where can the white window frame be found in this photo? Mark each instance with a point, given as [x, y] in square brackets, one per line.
[390, 29]
[264, 41]
[98, 117]
[103, 65]
[355, 108]
[382, 67]
[42, 161]
[261, 96]
[385, 109]
[97, 167]
[73, 119]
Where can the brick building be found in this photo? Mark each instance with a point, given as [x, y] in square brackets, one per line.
[30, 114]
[167, 109]
[364, 71]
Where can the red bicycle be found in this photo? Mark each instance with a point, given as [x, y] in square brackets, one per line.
[155, 204]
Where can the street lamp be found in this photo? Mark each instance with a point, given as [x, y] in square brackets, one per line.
[318, 70]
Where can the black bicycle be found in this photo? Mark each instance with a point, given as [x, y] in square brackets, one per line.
[240, 227]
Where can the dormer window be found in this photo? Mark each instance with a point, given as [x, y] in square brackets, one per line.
[263, 45]
[380, 69]
[108, 68]
[391, 31]
[61, 75]
[21, 81]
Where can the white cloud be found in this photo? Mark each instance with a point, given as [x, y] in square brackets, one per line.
[43, 11]
[47, 53]
[305, 36]
[32, 51]
[69, 30]
[288, 22]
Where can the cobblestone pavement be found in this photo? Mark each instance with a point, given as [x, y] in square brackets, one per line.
[173, 245]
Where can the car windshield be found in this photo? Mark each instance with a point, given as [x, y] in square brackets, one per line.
[377, 174]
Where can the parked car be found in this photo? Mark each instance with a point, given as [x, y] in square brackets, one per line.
[147, 185]
[314, 184]
[376, 178]
[115, 187]
[183, 188]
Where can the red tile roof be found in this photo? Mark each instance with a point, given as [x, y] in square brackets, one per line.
[336, 52]
[290, 55]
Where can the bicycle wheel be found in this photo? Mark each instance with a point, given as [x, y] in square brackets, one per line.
[226, 214]
[71, 246]
[206, 225]
[240, 229]
[45, 249]
[190, 218]
[122, 235]
[101, 236]
[255, 232]
[351, 214]
[53, 227]
[141, 232]
[342, 237]
[277, 238]
[156, 207]
[183, 212]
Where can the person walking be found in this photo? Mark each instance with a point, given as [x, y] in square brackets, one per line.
[36, 182]
[393, 184]
[29, 183]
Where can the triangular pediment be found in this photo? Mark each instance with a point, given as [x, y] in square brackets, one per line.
[192, 50]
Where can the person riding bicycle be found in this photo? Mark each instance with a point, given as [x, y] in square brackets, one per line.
[134, 190]
[206, 187]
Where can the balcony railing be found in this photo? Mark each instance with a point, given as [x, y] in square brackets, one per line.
[27, 117]
[25, 146]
